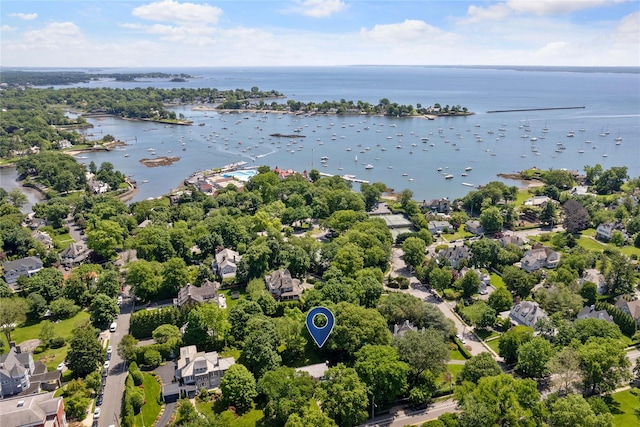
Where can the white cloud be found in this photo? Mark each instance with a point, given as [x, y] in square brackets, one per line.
[410, 30]
[25, 16]
[629, 27]
[172, 11]
[7, 28]
[55, 34]
[502, 10]
[319, 8]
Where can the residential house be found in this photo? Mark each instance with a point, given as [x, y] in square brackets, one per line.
[485, 279]
[282, 286]
[21, 267]
[604, 231]
[527, 313]
[16, 369]
[473, 226]
[399, 329]
[442, 206]
[539, 257]
[537, 201]
[590, 312]
[98, 187]
[64, 144]
[204, 370]
[37, 410]
[437, 227]
[74, 254]
[207, 292]
[225, 263]
[593, 275]
[513, 239]
[317, 371]
[43, 237]
[632, 307]
[455, 254]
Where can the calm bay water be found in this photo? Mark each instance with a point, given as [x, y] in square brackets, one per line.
[403, 152]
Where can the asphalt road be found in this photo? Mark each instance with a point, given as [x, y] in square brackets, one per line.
[114, 389]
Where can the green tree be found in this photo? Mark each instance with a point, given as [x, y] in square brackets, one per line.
[480, 314]
[144, 278]
[93, 381]
[75, 407]
[16, 198]
[238, 388]
[85, 351]
[106, 238]
[564, 368]
[13, 311]
[511, 340]
[207, 327]
[491, 220]
[343, 396]
[286, 392]
[164, 333]
[574, 410]
[500, 299]
[518, 281]
[152, 358]
[310, 418]
[533, 358]
[485, 404]
[103, 310]
[349, 259]
[423, 351]
[127, 348]
[549, 214]
[470, 284]
[479, 366]
[576, 217]
[385, 376]
[440, 278]
[414, 251]
[604, 365]
[174, 275]
[589, 291]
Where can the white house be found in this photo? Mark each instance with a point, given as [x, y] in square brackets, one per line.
[527, 313]
[539, 257]
[474, 226]
[436, 227]
[282, 286]
[204, 370]
[21, 267]
[225, 263]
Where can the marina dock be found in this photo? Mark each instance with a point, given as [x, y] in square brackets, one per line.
[351, 178]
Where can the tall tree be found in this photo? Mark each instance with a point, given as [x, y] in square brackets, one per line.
[511, 340]
[414, 251]
[343, 396]
[479, 366]
[13, 311]
[103, 310]
[576, 217]
[238, 388]
[533, 357]
[85, 351]
[565, 369]
[385, 376]
[604, 365]
[574, 410]
[423, 351]
[286, 392]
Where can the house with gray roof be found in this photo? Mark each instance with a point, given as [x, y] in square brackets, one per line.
[473, 226]
[595, 276]
[455, 254]
[539, 257]
[207, 292]
[282, 286]
[75, 254]
[590, 312]
[436, 227]
[225, 263]
[16, 369]
[527, 313]
[36, 410]
[21, 267]
[204, 370]
[629, 306]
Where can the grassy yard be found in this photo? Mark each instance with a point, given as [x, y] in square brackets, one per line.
[590, 244]
[496, 281]
[485, 334]
[250, 419]
[522, 196]
[456, 355]
[462, 233]
[630, 250]
[151, 408]
[493, 344]
[233, 302]
[454, 370]
[622, 406]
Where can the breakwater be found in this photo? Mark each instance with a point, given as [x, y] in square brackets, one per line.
[535, 109]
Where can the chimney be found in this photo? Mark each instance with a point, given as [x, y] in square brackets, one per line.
[593, 307]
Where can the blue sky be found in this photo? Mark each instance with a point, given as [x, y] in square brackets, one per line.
[134, 33]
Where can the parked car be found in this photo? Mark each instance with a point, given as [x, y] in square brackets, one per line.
[461, 338]
[99, 400]
[106, 365]
[60, 366]
[109, 350]
[96, 414]
[119, 299]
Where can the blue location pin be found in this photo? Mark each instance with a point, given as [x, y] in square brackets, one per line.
[320, 334]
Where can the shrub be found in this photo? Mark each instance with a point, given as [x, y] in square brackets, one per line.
[137, 377]
[152, 357]
[137, 400]
[56, 342]
[39, 349]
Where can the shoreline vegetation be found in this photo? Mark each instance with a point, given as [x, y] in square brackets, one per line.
[159, 161]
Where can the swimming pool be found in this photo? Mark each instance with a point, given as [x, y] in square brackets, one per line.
[241, 175]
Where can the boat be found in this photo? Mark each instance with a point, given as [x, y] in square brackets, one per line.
[468, 168]
[448, 176]
[369, 166]
[126, 155]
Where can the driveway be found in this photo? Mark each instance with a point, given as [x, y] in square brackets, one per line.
[167, 373]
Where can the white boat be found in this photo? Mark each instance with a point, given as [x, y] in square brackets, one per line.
[126, 155]
[369, 166]
[468, 168]
[448, 177]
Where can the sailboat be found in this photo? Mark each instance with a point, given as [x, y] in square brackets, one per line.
[618, 139]
[356, 159]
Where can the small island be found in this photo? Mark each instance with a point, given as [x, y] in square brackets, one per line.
[159, 161]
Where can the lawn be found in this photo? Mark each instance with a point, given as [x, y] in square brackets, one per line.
[622, 406]
[462, 233]
[151, 408]
[250, 419]
[485, 334]
[493, 344]
[630, 251]
[233, 302]
[522, 196]
[456, 355]
[454, 370]
[590, 244]
[496, 281]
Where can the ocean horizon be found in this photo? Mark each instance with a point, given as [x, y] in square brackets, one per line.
[412, 153]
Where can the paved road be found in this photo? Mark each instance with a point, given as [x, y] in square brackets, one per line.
[416, 289]
[407, 417]
[117, 371]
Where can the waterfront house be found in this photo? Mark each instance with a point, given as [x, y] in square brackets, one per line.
[442, 206]
[282, 286]
[21, 267]
[36, 410]
[527, 313]
[537, 201]
[539, 257]
[43, 237]
[97, 186]
[204, 370]
[189, 295]
[437, 227]
[629, 306]
[590, 312]
[225, 263]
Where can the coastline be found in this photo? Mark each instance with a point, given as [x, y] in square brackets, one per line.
[314, 113]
